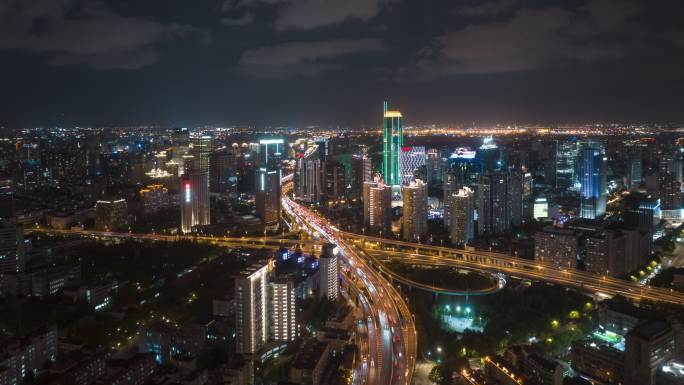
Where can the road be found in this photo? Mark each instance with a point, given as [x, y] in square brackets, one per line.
[390, 329]
[515, 267]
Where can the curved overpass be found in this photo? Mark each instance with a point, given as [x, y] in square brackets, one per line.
[513, 266]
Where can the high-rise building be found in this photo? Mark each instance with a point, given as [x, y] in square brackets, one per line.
[282, 310]
[670, 191]
[493, 204]
[392, 142]
[194, 200]
[647, 347]
[567, 176]
[360, 172]
[328, 272]
[377, 207]
[462, 228]
[155, 197]
[616, 252]
[308, 178]
[414, 219]
[434, 165]
[252, 307]
[592, 180]
[334, 182]
[222, 167]
[412, 159]
[268, 191]
[6, 199]
[559, 247]
[635, 172]
[201, 150]
[489, 155]
[271, 151]
[519, 191]
[111, 215]
[12, 252]
[450, 185]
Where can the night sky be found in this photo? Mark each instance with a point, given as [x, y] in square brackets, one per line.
[330, 62]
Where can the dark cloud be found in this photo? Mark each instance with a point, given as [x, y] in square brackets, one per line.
[85, 32]
[303, 58]
[309, 14]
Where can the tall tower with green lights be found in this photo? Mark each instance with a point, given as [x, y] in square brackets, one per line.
[392, 142]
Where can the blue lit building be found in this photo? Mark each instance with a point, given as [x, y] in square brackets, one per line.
[593, 186]
[489, 155]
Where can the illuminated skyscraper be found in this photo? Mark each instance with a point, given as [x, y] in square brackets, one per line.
[252, 308]
[194, 200]
[268, 196]
[392, 142]
[308, 177]
[414, 219]
[462, 221]
[328, 273]
[567, 176]
[489, 155]
[282, 311]
[377, 207]
[493, 205]
[412, 158]
[593, 180]
[201, 149]
[271, 151]
[360, 172]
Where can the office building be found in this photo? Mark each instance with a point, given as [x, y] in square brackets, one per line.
[519, 195]
[462, 228]
[268, 191]
[567, 173]
[12, 251]
[100, 295]
[647, 347]
[111, 215]
[489, 156]
[414, 219]
[592, 180]
[558, 247]
[616, 252]
[328, 274]
[670, 191]
[194, 200]
[334, 181]
[392, 142]
[6, 199]
[493, 204]
[465, 165]
[222, 170]
[450, 184]
[541, 208]
[598, 361]
[635, 172]
[434, 165]
[377, 207]
[361, 172]
[252, 306]
[308, 177]
[201, 148]
[283, 324]
[271, 151]
[155, 197]
[412, 159]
